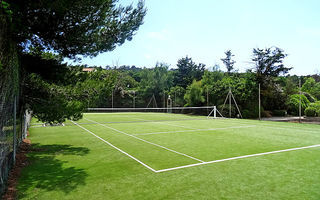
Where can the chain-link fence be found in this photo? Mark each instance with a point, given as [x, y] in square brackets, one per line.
[13, 118]
[13, 129]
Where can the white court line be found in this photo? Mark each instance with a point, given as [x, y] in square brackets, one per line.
[146, 141]
[291, 128]
[271, 124]
[238, 157]
[116, 148]
[210, 129]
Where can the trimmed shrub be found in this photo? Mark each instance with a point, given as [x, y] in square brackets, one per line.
[311, 112]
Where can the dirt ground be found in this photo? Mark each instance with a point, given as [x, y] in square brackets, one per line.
[21, 162]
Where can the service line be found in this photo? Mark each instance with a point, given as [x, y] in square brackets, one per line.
[239, 157]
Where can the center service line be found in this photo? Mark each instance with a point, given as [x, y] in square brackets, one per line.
[147, 141]
[145, 165]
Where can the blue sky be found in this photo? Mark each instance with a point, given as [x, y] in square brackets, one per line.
[205, 29]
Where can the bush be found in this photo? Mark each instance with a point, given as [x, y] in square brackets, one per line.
[194, 94]
[253, 112]
[311, 112]
[313, 109]
[293, 104]
[279, 113]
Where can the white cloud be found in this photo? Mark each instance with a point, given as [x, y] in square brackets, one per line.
[159, 35]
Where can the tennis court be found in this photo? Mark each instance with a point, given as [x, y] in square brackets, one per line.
[162, 142]
[139, 155]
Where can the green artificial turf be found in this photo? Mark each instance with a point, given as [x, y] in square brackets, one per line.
[67, 162]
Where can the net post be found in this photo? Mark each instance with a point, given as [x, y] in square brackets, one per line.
[214, 111]
[169, 105]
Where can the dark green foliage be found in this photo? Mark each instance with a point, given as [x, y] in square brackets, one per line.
[49, 102]
[5, 6]
[290, 85]
[252, 112]
[269, 63]
[70, 28]
[268, 66]
[279, 113]
[44, 32]
[187, 72]
[311, 112]
[50, 88]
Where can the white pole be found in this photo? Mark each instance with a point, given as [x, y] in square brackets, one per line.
[230, 102]
[215, 112]
[207, 100]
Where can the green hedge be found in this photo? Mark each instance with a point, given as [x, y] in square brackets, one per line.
[313, 110]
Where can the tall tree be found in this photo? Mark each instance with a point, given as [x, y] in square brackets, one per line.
[188, 71]
[72, 28]
[228, 62]
[269, 63]
[63, 29]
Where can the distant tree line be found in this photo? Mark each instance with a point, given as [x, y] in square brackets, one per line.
[68, 89]
[191, 84]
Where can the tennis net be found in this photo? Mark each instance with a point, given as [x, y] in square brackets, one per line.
[138, 115]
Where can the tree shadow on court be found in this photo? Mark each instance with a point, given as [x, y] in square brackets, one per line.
[46, 172]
